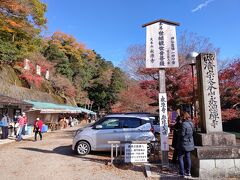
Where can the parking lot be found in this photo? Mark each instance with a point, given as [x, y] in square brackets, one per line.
[52, 158]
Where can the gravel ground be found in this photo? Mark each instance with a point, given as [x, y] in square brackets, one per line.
[52, 158]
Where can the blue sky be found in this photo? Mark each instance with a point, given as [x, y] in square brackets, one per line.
[111, 26]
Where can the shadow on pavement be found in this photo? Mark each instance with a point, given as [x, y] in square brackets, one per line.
[97, 157]
[70, 131]
[63, 150]
[100, 157]
[28, 140]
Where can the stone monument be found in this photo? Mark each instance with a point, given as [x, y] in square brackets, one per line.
[216, 154]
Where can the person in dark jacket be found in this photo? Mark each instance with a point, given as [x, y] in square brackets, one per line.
[176, 129]
[38, 128]
[185, 144]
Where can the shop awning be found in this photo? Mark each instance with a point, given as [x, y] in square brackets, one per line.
[45, 107]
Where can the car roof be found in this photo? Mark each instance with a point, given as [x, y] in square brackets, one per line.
[143, 114]
[128, 115]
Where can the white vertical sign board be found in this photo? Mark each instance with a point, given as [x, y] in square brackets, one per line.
[26, 64]
[135, 153]
[163, 116]
[47, 74]
[161, 46]
[38, 70]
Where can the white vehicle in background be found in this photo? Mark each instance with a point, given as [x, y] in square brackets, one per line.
[154, 118]
[118, 127]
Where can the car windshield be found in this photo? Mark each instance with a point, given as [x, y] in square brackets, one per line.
[97, 122]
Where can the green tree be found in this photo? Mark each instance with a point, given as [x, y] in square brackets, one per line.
[52, 52]
[106, 85]
[8, 51]
[117, 84]
[64, 69]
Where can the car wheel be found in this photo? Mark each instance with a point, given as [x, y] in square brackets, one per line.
[82, 148]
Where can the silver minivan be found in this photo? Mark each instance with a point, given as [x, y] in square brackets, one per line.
[119, 127]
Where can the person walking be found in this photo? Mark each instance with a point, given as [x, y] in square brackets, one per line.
[176, 129]
[21, 122]
[5, 121]
[25, 123]
[38, 128]
[15, 121]
[185, 144]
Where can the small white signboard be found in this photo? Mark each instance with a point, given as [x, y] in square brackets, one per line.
[135, 153]
[161, 46]
[163, 121]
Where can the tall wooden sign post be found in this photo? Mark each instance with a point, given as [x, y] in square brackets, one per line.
[161, 53]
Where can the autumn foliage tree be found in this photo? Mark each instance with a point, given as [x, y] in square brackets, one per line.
[22, 16]
[87, 71]
[229, 84]
[75, 71]
[21, 22]
[178, 80]
[33, 80]
[63, 86]
[133, 99]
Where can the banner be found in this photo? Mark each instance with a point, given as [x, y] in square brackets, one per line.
[163, 117]
[161, 46]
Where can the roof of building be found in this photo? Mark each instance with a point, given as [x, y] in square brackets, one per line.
[46, 107]
[12, 101]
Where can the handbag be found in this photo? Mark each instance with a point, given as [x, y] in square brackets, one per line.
[16, 125]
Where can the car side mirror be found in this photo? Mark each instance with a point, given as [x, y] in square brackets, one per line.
[98, 127]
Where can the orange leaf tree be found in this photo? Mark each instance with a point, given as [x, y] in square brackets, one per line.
[21, 22]
[133, 99]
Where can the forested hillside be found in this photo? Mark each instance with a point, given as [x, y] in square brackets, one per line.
[78, 75]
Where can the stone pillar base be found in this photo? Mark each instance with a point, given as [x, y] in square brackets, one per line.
[214, 162]
[215, 139]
